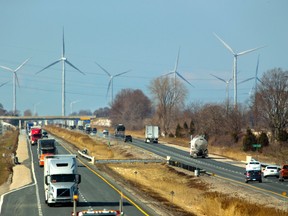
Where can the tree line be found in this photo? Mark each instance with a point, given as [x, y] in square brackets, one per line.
[266, 111]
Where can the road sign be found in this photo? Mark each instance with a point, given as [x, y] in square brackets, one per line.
[256, 145]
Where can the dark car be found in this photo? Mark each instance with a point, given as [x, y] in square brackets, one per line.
[128, 138]
[44, 134]
[253, 175]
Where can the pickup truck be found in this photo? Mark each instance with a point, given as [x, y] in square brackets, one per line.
[283, 173]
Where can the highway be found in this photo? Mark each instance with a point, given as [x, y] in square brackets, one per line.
[94, 193]
[229, 172]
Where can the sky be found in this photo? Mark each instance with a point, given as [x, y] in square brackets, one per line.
[141, 36]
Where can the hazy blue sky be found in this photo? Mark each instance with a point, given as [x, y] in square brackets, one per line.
[143, 36]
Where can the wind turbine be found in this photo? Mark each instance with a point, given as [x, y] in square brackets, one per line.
[64, 60]
[71, 105]
[227, 85]
[15, 79]
[176, 73]
[110, 84]
[256, 76]
[235, 64]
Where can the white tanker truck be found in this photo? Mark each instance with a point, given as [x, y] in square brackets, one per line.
[198, 146]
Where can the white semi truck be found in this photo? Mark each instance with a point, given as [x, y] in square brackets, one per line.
[151, 134]
[60, 179]
[198, 146]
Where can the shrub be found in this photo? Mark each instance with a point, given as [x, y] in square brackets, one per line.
[248, 140]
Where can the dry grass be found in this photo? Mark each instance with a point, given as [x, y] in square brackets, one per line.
[192, 196]
[8, 146]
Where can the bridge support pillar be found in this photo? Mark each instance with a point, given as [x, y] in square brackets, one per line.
[19, 124]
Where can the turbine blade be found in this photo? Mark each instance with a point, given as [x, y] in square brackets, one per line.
[49, 66]
[74, 66]
[63, 44]
[4, 83]
[218, 78]
[6, 68]
[248, 51]
[246, 80]
[257, 66]
[172, 72]
[177, 60]
[109, 85]
[104, 69]
[260, 80]
[184, 79]
[226, 45]
[122, 73]
[22, 65]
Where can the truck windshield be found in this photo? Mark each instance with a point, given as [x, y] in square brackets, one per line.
[48, 151]
[63, 178]
[37, 135]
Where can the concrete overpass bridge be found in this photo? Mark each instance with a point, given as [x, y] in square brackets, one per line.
[39, 118]
[21, 119]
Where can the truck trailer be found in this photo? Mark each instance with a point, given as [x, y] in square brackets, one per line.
[61, 179]
[198, 146]
[119, 131]
[151, 134]
[46, 147]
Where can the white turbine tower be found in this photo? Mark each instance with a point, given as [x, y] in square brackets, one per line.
[15, 79]
[235, 64]
[110, 84]
[64, 60]
[176, 73]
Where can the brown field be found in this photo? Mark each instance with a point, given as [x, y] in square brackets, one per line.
[178, 192]
[8, 146]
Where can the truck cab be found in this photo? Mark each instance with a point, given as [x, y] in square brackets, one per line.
[61, 179]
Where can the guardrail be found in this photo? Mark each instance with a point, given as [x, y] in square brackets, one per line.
[194, 169]
[92, 158]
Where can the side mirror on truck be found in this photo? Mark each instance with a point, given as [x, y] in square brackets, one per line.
[78, 178]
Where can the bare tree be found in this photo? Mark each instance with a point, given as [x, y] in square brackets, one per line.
[272, 100]
[27, 112]
[168, 96]
[130, 107]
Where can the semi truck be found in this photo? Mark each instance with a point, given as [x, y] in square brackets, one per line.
[28, 127]
[61, 179]
[35, 134]
[151, 134]
[119, 131]
[198, 146]
[46, 147]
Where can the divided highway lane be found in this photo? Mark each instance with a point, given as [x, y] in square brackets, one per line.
[221, 169]
[94, 192]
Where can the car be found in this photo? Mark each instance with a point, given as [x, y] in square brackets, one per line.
[253, 165]
[105, 133]
[253, 175]
[128, 138]
[271, 171]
